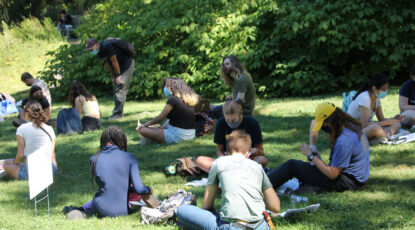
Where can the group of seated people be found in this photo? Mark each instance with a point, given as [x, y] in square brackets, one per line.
[247, 188]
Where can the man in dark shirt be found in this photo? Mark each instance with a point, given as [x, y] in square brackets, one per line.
[120, 65]
[407, 100]
[65, 23]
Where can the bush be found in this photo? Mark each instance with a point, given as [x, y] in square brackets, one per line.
[290, 47]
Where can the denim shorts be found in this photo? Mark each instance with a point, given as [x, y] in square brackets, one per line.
[24, 175]
[175, 135]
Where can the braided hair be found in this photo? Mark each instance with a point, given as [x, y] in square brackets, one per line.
[35, 113]
[113, 135]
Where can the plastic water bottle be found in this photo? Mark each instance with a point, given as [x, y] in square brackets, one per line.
[298, 199]
[170, 170]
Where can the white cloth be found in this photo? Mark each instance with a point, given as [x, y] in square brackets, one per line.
[35, 138]
[362, 100]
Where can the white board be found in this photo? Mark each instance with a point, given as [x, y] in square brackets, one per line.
[40, 171]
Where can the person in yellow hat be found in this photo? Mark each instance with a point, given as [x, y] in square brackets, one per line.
[349, 156]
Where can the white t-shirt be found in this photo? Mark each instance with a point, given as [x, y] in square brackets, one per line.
[362, 100]
[35, 138]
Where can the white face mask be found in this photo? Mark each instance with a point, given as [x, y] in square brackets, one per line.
[227, 64]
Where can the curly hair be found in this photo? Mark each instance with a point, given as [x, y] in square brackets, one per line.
[78, 89]
[181, 90]
[237, 67]
[35, 113]
[339, 120]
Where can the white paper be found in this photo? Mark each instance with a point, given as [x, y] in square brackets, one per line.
[40, 171]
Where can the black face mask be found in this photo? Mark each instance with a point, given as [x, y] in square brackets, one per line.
[326, 129]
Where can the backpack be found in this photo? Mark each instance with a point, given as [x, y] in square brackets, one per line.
[167, 209]
[69, 121]
[127, 47]
[184, 167]
[203, 124]
[347, 99]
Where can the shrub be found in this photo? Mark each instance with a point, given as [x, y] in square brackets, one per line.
[290, 47]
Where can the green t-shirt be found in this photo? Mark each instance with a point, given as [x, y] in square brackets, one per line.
[245, 85]
[242, 182]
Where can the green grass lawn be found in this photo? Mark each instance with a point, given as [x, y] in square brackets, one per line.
[387, 201]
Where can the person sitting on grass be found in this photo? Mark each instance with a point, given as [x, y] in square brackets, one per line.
[237, 77]
[114, 170]
[246, 192]
[34, 94]
[366, 103]
[349, 157]
[86, 104]
[32, 136]
[179, 111]
[234, 119]
[407, 100]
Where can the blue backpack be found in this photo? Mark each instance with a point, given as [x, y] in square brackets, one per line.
[347, 99]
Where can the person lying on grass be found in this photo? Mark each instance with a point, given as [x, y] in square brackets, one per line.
[86, 104]
[407, 100]
[179, 111]
[32, 136]
[114, 170]
[349, 157]
[246, 192]
[233, 119]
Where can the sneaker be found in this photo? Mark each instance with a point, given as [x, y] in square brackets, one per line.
[377, 141]
[75, 215]
[115, 117]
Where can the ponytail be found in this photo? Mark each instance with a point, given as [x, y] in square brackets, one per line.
[377, 80]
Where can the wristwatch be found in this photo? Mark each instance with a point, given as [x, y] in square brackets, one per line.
[311, 156]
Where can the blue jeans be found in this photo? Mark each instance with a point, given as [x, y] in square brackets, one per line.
[67, 28]
[23, 173]
[193, 217]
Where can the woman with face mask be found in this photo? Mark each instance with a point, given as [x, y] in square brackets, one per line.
[240, 81]
[349, 156]
[34, 94]
[407, 100]
[234, 119]
[180, 124]
[366, 103]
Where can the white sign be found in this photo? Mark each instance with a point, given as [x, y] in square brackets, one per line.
[40, 171]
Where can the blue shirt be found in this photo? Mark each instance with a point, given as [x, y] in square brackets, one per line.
[115, 171]
[351, 153]
[408, 90]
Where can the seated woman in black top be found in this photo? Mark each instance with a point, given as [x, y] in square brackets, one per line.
[233, 119]
[407, 100]
[114, 170]
[34, 94]
[179, 112]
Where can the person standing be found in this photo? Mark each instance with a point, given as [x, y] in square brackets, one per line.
[120, 64]
[65, 23]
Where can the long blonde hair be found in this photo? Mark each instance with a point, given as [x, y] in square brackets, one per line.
[236, 66]
[181, 90]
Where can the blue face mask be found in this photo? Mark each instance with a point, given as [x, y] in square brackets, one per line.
[234, 125]
[382, 94]
[95, 51]
[166, 92]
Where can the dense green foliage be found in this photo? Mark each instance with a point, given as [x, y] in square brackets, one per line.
[14, 11]
[290, 47]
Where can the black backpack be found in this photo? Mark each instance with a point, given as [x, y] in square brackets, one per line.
[203, 124]
[127, 47]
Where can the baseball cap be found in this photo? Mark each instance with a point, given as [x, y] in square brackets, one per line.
[323, 111]
[91, 42]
